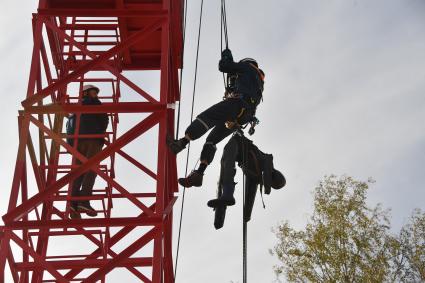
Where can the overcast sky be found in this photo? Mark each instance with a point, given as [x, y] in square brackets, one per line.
[344, 94]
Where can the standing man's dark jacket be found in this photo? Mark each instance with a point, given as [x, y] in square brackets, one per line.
[92, 123]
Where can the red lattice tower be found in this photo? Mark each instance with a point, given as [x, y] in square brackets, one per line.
[112, 44]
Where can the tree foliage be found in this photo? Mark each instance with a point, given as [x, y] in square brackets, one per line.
[409, 252]
[345, 240]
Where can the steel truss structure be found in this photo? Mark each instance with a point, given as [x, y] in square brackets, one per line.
[110, 43]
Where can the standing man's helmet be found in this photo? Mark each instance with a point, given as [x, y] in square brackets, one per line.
[89, 87]
[250, 60]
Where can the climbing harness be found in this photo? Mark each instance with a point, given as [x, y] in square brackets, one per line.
[253, 123]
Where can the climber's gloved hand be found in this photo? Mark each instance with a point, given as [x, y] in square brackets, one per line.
[226, 55]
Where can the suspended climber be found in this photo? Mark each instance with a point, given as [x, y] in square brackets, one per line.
[258, 169]
[257, 166]
[242, 95]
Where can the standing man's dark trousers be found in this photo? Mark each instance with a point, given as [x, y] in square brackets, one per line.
[88, 148]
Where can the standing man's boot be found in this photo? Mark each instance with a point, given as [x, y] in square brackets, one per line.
[85, 207]
[73, 210]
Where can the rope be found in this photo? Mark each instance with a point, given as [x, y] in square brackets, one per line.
[188, 149]
[181, 70]
[223, 29]
[244, 223]
[224, 23]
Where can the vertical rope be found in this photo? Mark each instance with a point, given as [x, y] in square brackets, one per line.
[223, 29]
[224, 22]
[188, 149]
[181, 70]
[244, 224]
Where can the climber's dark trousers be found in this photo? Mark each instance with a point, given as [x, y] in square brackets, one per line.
[228, 161]
[215, 117]
[218, 114]
[232, 153]
[218, 133]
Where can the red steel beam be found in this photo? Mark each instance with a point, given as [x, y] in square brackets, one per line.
[99, 196]
[131, 269]
[12, 265]
[123, 27]
[107, 65]
[23, 123]
[35, 62]
[158, 266]
[101, 27]
[89, 222]
[100, 5]
[47, 266]
[130, 135]
[121, 107]
[134, 38]
[137, 164]
[86, 263]
[114, 240]
[161, 261]
[126, 253]
[34, 201]
[122, 13]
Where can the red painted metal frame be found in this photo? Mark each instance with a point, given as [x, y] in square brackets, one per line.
[76, 39]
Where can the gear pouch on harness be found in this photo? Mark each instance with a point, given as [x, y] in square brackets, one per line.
[246, 115]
